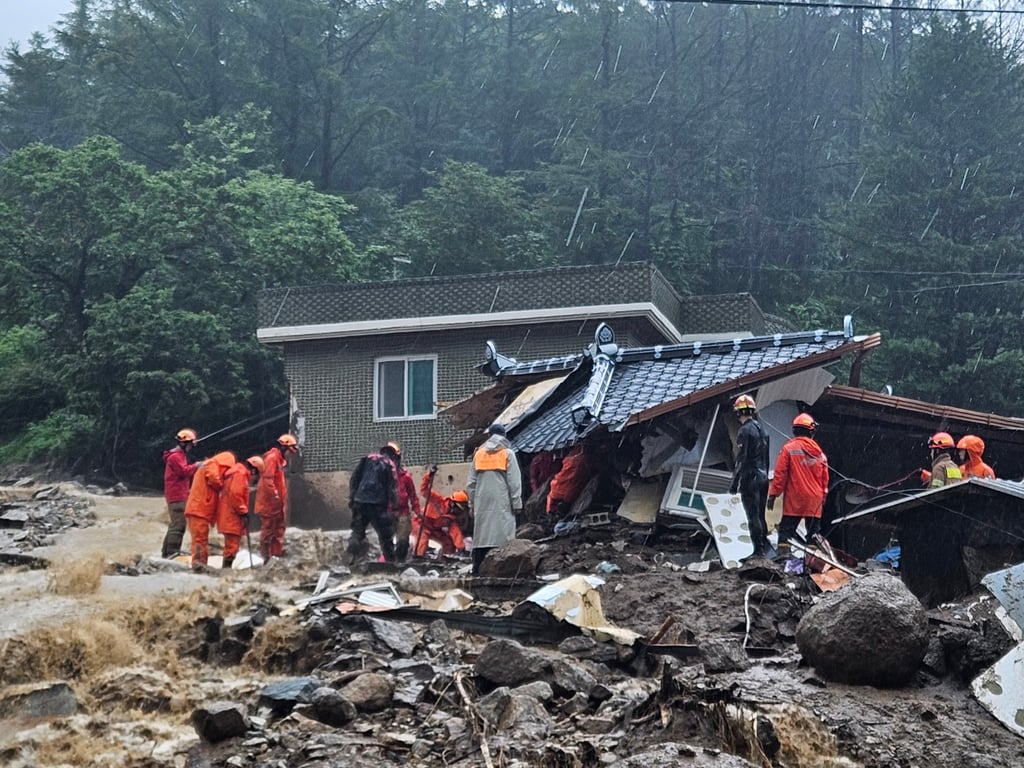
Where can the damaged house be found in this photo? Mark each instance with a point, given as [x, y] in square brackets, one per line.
[656, 424]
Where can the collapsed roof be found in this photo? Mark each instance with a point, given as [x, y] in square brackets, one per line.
[612, 388]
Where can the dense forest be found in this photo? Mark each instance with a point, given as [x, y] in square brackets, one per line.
[161, 161]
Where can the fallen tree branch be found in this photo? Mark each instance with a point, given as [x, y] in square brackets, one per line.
[474, 716]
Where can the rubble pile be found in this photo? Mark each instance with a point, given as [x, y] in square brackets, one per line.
[310, 662]
[30, 516]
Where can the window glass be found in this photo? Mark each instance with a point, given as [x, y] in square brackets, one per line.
[421, 387]
[391, 389]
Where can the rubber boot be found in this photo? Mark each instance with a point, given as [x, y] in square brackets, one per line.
[228, 561]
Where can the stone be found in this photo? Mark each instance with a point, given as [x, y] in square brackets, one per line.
[282, 697]
[506, 662]
[515, 559]
[219, 721]
[370, 692]
[141, 688]
[538, 689]
[396, 636]
[585, 647]
[568, 678]
[328, 706]
[51, 699]
[873, 631]
[723, 655]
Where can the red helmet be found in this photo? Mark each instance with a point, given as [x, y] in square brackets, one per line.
[744, 403]
[460, 496]
[941, 440]
[805, 421]
[185, 436]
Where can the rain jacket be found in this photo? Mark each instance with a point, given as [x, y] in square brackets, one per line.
[438, 521]
[576, 471]
[233, 504]
[975, 465]
[177, 474]
[405, 491]
[495, 491]
[944, 472]
[801, 478]
[206, 485]
[751, 456]
[271, 489]
[374, 481]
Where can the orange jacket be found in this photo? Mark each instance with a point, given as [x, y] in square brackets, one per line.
[436, 510]
[571, 479]
[801, 478]
[271, 490]
[975, 466]
[233, 503]
[206, 485]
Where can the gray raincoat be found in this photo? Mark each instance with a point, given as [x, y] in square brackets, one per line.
[495, 491]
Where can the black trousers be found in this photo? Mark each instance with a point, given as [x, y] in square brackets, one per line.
[788, 526]
[754, 495]
[376, 515]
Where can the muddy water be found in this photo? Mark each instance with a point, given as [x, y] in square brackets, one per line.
[125, 528]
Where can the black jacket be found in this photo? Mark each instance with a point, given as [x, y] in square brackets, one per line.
[751, 455]
[373, 482]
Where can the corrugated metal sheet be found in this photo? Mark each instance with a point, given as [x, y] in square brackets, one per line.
[972, 485]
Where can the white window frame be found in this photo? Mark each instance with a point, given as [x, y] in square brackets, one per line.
[376, 387]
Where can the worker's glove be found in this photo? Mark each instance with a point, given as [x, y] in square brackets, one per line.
[771, 502]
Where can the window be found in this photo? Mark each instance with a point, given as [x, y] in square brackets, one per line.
[404, 388]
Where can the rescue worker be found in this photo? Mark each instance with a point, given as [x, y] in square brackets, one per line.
[407, 505]
[944, 470]
[272, 496]
[373, 491]
[440, 519]
[570, 480]
[201, 507]
[233, 505]
[543, 466]
[178, 472]
[750, 476]
[495, 490]
[972, 448]
[801, 477]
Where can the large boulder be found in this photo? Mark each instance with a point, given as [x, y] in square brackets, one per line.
[515, 559]
[506, 662]
[370, 692]
[873, 631]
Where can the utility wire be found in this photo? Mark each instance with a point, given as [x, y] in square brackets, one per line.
[847, 6]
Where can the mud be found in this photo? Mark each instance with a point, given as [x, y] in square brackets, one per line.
[136, 648]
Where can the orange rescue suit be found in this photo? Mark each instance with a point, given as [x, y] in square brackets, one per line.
[234, 500]
[801, 478]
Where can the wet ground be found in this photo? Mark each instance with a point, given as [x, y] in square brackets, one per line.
[147, 624]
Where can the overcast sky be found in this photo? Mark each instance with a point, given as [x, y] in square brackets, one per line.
[20, 18]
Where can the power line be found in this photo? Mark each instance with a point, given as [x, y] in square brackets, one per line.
[848, 6]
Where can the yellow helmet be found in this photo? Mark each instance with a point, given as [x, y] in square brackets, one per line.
[287, 440]
[256, 462]
[185, 436]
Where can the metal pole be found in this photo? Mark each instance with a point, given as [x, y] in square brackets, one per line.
[704, 452]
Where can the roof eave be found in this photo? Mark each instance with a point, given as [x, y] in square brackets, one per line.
[758, 377]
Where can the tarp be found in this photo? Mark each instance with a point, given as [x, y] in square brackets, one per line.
[575, 600]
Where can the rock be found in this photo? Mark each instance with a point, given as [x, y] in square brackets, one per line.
[396, 636]
[219, 720]
[514, 559]
[670, 754]
[329, 706]
[538, 689]
[584, 647]
[54, 699]
[569, 678]
[506, 662]
[873, 631]
[370, 692]
[437, 632]
[282, 697]
[723, 655]
[144, 689]
[523, 715]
